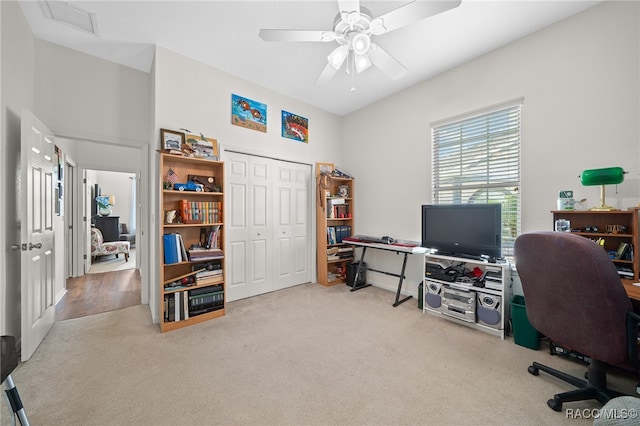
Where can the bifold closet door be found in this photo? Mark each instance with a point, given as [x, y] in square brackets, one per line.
[268, 220]
[292, 217]
[249, 229]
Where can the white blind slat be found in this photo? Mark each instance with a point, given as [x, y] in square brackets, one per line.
[477, 160]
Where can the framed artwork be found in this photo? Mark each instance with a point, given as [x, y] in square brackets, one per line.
[203, 147]
[295, 127]
[170, 139]
[248, 113]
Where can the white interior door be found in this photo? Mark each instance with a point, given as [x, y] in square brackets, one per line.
[292, 246]
[267, 225]
[37, 235]
[87, 220]
[248, 231]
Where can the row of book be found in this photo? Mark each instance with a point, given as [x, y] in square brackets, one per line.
[201, 274]
[175, 251]
[335, 234]
[182, 305]
[337, 208]
[200, 211]
[338, 253]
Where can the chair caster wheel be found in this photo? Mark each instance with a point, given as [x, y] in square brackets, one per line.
[554, 405]
[533, 370]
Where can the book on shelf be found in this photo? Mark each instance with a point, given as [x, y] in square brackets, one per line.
[624, 271]
[174, 249]
[622, 250]
[210, 280]
[182, 305]
[202, 254]
[200, 211]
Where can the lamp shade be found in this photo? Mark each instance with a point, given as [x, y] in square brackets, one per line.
[338, 55]
[606, 176]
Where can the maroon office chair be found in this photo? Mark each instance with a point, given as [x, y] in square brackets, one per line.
[574, 296]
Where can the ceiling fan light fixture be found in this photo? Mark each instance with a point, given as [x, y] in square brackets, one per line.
[337, 57]
[360, 44]
[362, 62]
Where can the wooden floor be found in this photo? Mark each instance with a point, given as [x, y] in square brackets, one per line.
[95, 293]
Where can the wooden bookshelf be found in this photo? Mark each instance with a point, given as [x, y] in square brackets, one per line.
[335, 220]
[199, 222]
[611, 227]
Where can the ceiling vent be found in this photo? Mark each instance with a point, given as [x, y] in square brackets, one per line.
[75, 16]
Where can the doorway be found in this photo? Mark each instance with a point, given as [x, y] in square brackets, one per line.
[119, 225]
[106, 282]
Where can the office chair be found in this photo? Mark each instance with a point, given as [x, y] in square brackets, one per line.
[8, 362]
[574, 296]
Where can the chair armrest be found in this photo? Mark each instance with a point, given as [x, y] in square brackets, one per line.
[633, 328]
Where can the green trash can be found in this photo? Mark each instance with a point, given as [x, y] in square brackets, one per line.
[523, 332]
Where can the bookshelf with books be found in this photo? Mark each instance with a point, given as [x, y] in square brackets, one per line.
[192, 279]
[616, 231]
[334, 213]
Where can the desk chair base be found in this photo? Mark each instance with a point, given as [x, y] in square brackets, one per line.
[594, 388]
[14, 401]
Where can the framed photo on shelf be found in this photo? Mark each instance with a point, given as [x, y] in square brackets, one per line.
[170, 139]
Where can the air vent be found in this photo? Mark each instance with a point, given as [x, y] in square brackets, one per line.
[75, 16]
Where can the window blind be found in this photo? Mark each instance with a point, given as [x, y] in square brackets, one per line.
[476, 159]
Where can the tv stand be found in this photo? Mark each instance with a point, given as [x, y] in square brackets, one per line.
[481, 302]
[468, 256]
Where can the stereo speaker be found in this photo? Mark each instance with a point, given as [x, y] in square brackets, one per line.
[488, 310]
[433, 296]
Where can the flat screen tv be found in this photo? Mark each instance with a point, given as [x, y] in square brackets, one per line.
[463, 230]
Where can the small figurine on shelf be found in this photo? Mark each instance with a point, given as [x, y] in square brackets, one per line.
[170, 216]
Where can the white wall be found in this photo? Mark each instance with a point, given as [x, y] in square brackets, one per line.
[192, 95]
[580, 83]
[119, 185]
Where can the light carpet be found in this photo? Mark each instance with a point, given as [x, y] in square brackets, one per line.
[112, 263]
[307, 355]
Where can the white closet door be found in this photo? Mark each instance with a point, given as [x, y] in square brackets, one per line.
[292, 245]
[249, 229]
[267, 225]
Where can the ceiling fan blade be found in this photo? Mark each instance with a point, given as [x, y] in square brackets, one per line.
[414, 12]
[388, 64]
[326, 75]
[347, 6]
[296, 35]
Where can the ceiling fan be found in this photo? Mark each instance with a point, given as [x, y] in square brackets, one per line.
[353, 30]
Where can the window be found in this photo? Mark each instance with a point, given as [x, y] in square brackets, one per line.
[476, 159]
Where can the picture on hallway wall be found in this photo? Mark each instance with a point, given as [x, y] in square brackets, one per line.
[248, 113]
[295, 127]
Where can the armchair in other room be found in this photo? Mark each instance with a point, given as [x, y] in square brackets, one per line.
[126, 236]
[100, 248]
[574, 296]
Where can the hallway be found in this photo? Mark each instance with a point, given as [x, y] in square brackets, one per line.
[95, 293]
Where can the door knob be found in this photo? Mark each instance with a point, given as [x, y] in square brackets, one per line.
[32, 246]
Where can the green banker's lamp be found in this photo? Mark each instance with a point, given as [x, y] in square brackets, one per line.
[602, 177]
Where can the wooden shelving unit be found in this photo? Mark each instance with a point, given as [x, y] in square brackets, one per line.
[201, 225]
[604, 225]
[334, 213]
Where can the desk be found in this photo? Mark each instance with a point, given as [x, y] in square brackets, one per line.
[632, 291]
[404, 247]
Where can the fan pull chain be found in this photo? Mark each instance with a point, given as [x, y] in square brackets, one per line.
[351, 70]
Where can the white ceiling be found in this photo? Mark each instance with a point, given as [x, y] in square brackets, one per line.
[224, 34]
